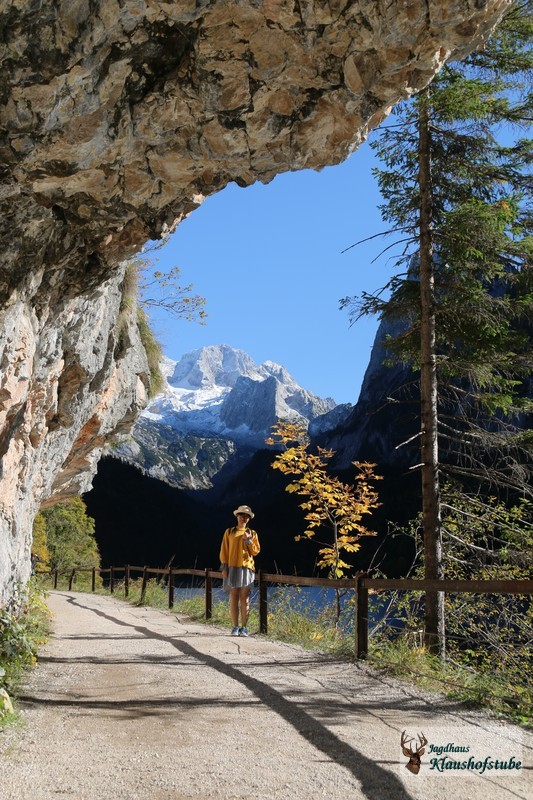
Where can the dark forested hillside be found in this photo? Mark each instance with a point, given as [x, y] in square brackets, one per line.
[141, 520]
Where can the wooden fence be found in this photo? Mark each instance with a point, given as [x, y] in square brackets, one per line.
[361, 585]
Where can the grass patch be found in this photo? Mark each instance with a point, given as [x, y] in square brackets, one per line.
[156, 595]
[153, 351]
[294, 619]
[402, 659]
[129, 307]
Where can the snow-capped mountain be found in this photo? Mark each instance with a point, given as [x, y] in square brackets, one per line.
[216, 409]
[219, 391]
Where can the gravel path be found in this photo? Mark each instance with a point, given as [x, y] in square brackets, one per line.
[139, 703]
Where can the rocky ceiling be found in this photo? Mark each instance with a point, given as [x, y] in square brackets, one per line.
[117, 117]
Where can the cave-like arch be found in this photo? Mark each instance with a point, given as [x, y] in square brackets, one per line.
[117, 118]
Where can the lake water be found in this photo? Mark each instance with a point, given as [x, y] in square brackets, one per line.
[312, 601]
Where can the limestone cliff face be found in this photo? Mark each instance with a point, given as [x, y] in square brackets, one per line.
[116, 119]
[72, 377]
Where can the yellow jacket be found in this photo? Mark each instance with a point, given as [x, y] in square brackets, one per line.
[234, 552]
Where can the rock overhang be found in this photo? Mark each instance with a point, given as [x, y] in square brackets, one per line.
[117, 117]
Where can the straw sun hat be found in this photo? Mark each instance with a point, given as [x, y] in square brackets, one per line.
[244, 510]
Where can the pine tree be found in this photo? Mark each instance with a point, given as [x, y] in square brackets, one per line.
[455, 187]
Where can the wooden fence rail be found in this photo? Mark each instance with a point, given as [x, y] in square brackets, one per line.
[361, 584]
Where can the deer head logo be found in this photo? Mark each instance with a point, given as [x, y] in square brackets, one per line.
[414, 756]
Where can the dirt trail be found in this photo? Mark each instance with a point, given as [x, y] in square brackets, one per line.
[139, 703]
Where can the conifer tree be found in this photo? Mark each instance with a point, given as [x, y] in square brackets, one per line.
[456, 188]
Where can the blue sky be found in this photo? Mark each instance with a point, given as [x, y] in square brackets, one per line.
[268, 260]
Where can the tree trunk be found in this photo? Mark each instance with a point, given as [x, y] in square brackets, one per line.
[337, 591]
[431, 513]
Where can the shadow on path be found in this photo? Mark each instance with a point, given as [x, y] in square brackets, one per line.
[374, 780]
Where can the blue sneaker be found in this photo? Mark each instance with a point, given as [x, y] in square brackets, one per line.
[235, 631]
[243, 631]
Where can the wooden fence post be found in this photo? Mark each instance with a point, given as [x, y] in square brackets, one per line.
[93, 580]
[263, 604]
[112, 579]
[55, 578]
[208, 595]
[71, 580]
[127, 580]
[170, 588]
[361, 618]
[143, 585]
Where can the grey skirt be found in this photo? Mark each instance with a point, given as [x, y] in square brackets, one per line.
[238, 578]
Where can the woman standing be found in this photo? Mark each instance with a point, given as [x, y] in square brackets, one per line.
[239, 546]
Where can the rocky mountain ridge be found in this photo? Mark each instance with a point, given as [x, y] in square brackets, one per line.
[216, 410]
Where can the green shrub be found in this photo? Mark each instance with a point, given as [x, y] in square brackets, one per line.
[67, 532]
[20, 636]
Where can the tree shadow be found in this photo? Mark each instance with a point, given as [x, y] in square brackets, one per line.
[372, 778]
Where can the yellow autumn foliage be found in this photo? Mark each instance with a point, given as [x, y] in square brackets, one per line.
[329, 502]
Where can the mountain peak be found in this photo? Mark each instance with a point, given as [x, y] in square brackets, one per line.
[213, 365]
[277, 371]
[220, 391]
[216, 409]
